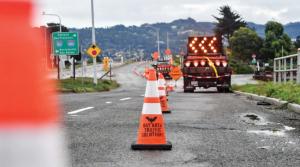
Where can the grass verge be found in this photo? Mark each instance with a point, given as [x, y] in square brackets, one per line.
[81, 85]
[289, 92]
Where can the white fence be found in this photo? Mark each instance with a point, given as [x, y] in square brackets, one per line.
[287, 68]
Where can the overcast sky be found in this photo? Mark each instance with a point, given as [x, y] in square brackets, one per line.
[76, 13]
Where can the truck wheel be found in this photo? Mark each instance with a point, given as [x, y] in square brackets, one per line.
[227, 90]
[188, 90]
[220, 89]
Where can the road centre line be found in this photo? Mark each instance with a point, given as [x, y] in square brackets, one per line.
[80, 110]
[108, 102]
[127, 98]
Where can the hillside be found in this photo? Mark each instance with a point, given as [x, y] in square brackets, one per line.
[136, 41]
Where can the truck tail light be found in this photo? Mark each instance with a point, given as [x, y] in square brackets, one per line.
[196, 63]
[218, 63]
[224, 63]
[187, 64]
[202, 62]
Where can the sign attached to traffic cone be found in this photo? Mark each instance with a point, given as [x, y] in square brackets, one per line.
[29, 131]
[162, 94]
[151, 133]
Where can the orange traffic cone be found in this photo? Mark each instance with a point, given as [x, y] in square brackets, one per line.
[162, 94]
[170, 87]
[151, 133]
[29, 116]
[146, 73]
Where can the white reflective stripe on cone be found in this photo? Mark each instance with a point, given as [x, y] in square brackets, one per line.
[171, 82]
[161, 82]
[151, 89]
[151, 108]
[162, 92]
[32, 147]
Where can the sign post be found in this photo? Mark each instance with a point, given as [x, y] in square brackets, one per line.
[94, 42]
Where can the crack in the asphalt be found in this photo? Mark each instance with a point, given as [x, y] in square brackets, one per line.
[291, 119]
[210, 128]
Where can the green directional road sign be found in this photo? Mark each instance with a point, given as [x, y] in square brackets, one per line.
[65, 43]
[253, 61]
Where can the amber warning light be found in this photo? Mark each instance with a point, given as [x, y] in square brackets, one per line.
[204, 45]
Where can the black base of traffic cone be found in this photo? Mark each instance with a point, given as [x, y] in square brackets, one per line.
[167, 112]
[167, 146]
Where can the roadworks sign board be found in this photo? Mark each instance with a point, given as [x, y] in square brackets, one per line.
[65, 43]
[176, 73]
[155, 56]
[94, 50]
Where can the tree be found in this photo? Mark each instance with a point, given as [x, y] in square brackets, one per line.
[228, 22]
[297, 42]
[54, 27]
[244, 43]
[276, 43]
[275, 27]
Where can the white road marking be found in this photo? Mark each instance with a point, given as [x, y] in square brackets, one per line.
[108, 102]
[288, 128]
[80, 110]
[127, 98]
[143, 95]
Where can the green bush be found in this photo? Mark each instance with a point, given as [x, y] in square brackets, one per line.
[289, 92]
[240, 67]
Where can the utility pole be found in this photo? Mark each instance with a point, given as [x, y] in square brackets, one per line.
[298, 67]
[167, 40]
[158, 48]
[58, 57]
[157, 32]
[94, 42]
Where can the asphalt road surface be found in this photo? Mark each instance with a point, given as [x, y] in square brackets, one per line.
[206, 128]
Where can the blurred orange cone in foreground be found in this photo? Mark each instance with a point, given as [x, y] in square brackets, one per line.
[29, 132]
[151, 133]
[162, 94]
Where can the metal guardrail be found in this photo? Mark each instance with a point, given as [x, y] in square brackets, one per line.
[287, 69]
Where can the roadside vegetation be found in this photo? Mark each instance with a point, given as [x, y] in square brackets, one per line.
[81, 85]
[243, 41]
[289, 92]
[240, 67]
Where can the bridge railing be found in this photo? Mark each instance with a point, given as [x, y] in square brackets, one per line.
[287, 68]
